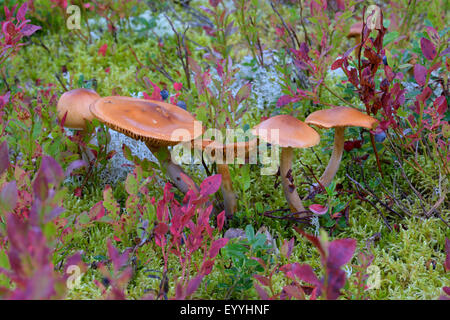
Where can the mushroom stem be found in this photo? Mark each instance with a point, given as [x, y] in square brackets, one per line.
[336, 156]
[229, 197]
[173, 170]
[290, 192]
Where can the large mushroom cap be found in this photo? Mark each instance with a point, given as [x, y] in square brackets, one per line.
[76, 103]
[341, 117]
[155, 122]
[291, 132]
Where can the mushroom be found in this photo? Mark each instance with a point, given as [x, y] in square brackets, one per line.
[213, 148]
[75, 105]
[156, 123]
[292, 133]
[338, 118]
[355, 31]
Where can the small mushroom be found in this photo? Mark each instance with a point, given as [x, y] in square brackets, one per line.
[213, 148]
[154, 122]
[338, 118]
[292, 133]
[355, 31]
[74, 104]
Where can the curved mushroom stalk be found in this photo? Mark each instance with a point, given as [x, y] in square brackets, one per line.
[338, 118]
[292, 197]
[172, 169]
[336, 156]
[229, 197]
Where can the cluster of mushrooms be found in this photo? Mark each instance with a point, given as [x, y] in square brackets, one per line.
[153, 122]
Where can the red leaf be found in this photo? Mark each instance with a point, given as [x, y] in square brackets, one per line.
[286, 248]
[207, 267]
[4, 157]
[193, 285]
[21, 12]
[220, 220]
[214, 3]
[97, 211]
[78, 192]
[177, 86]
[340, 252]
[261, 292]
[190, 183]
[341, 4]
[349, 146]
[420, 74]
[318, 209]
[210, 185]
[263, 280]
[440, 104]
[161, 229]
[428, 48]
[305, 273]
[426, 93]
[102, 50]
[8, 196]
[243, 93]
[434, 35]
[29, 29]
[216, 246]
[260, 261]
[156, 94]
[389, 73]
[294, 292]
[284, 100]
[336, 280]
[337, 64]
[75, 165]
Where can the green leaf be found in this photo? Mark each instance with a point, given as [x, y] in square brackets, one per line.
[49, 230]
[4, 261]
[250, 232]
[84, 218]
[131, 184]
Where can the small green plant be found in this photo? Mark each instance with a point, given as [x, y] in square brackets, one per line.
[240, 263]
[333, 214]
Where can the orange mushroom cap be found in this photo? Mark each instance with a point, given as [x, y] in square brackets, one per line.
[355, 30]
[154, 122]
[292, 132]
[341, 117]
[76, 103]
[241, 147]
